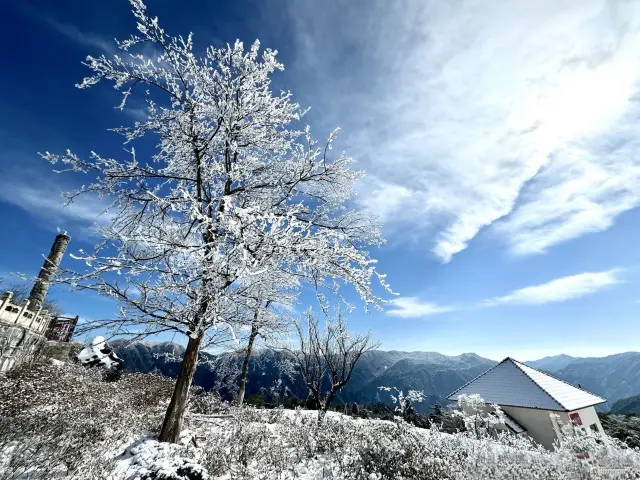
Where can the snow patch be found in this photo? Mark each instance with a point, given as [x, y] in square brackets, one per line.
[163, 461]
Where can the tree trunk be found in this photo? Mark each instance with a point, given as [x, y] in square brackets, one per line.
[322, 411]
[245, 364]
[175, 413]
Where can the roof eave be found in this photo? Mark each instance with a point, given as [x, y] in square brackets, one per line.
[587, 406]
[562, 409]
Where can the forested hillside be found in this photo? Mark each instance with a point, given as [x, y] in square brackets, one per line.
[435, 373]
[614, 377]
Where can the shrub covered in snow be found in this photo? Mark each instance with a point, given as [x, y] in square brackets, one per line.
[152, 460]
[65, 418]
[66, 421]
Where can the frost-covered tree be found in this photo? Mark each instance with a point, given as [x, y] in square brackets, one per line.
[234, 189]
[266, 300]
[479, 420]
[436, 414]
[401, 401]
[327, 356]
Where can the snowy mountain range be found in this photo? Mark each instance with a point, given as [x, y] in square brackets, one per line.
[613, 377]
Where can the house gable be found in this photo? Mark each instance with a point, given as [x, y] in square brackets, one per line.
[515, 384]
[570, 397]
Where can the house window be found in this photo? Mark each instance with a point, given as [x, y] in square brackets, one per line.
[575, 419]
[594, 428]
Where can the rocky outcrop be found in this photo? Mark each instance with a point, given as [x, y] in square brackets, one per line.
[62, 351]
[99, 353]
[18, 345]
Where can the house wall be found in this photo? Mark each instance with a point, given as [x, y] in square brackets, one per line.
[589, 417]
[538, 423]
[540, 427]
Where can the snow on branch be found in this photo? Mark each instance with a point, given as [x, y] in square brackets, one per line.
[237, 197]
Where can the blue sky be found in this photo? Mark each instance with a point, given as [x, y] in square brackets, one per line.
[500, 140]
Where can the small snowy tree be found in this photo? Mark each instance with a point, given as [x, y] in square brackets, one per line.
[265, 300]
[327, 357]
[401, 401]
[233, 190]
[479, 420]
[436, 414]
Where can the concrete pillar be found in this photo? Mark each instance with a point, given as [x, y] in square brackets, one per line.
[35, 317]
[22, 310]
[6, 299]
[39, 290]
[45, 318]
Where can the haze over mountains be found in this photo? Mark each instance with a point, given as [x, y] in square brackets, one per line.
[614, 377]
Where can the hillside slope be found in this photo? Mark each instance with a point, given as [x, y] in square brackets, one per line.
[435, 373]
[627, 405]
[613, 377]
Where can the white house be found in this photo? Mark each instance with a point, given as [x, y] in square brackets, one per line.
[527, 397]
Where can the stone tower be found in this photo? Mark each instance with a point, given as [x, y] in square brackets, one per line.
[39, 290]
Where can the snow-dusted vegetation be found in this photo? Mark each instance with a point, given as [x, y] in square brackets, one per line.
[66, 421]
[230, 208]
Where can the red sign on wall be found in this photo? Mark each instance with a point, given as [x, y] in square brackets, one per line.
[575, 418]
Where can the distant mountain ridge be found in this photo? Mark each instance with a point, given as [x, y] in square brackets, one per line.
[554, 363]
[613, 377]
[435, 373]
[626, 406]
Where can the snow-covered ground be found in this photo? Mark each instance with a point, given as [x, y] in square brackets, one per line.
[64, 421]
[287, 444]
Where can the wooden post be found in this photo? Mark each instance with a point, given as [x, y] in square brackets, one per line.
[71, 329]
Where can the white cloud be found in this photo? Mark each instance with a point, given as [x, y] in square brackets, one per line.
[42, 199]
[468, 114]
[413, 307]
[135, 107]
[560, 289]
[74, 34]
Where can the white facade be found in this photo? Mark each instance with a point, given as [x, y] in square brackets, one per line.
[544, 430]
[529, 397]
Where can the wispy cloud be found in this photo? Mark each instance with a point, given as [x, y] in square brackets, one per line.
[413, 307]
[79, 37]
[43, 200]
[136, 108]
[481, 113]
[560, 289]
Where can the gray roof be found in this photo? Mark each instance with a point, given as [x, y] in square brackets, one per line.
[515, 384]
